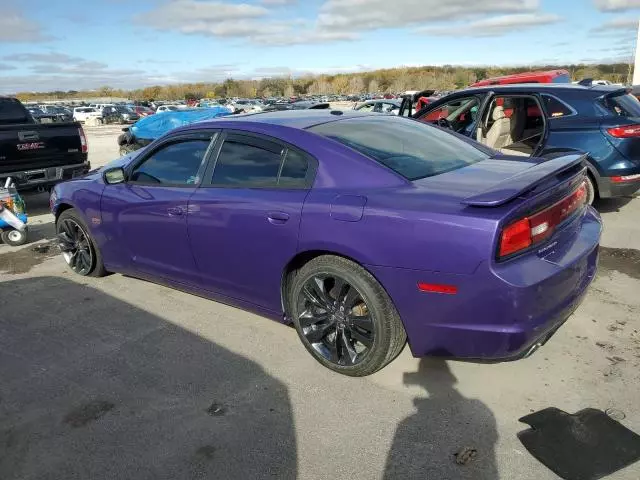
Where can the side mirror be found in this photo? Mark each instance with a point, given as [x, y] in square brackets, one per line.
[114, 175]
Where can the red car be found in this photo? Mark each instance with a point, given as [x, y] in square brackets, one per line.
[551, 76]
[143, 111]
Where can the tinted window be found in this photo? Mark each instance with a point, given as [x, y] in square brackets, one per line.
[412, 149]
[623, 106]
[175, 164]
[11, 111]
[555, 108]
[561, 79]
[366, 108]
[241, 164]
[294, 170]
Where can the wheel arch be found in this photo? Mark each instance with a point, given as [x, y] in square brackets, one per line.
[305, 256]
[61, 208]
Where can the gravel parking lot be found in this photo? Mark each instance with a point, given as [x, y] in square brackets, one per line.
[119, 378]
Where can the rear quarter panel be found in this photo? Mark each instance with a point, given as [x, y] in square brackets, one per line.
[399, 228]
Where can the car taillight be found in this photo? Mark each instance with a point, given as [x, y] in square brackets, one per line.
[627, 131]
[83, 141]
[625, 178]
[527, 231]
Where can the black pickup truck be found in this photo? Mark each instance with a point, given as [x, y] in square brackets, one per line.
[38, 155]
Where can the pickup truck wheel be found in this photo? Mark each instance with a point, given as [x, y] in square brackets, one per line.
[14, 238]
[78, 247]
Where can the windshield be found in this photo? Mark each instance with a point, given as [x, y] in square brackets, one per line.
[623, 105]
[413, 149]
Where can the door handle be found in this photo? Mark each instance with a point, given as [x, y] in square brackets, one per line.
[277, 218]
[175, 211]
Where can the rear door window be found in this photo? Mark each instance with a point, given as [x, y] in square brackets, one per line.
[623, 105]
[11, 111]
[247, 162]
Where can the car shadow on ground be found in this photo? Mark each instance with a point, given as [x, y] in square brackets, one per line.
[449, 436]
[93, 387]
[610, 205]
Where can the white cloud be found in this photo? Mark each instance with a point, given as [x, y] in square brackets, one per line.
[243, 21]
[47, 57]
[181, 15]
[337, 20]
[278, 2]
[14, 27]
[492, 26]
[616, 5]
[352, 15]
[618, 24]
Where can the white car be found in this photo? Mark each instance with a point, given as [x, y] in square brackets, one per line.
[80, 114]
[167, 108]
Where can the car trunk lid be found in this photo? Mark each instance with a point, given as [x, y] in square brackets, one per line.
[526, 180]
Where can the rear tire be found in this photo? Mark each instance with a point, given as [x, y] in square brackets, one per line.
[78, 246]
[344, 317]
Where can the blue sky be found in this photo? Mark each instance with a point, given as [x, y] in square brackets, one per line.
[72, 44]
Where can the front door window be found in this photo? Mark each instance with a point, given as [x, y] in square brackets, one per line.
[458, 115]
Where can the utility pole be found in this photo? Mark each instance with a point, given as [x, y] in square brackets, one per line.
[636, 70]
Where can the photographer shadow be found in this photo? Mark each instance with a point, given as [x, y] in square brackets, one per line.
[448, 437]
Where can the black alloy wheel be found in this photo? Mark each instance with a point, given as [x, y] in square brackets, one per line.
[335, 319]
[75, 246]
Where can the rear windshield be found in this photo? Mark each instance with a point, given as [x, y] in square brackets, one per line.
[413, 149]
[564, 78]
[623, 106]
[11, 111]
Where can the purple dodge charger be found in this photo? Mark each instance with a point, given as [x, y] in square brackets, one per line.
[365, 231]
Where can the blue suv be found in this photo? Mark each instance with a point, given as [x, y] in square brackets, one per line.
[545, 120]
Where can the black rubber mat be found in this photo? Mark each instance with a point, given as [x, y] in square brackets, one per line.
[588, 445]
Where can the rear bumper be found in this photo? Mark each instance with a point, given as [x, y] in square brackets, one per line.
[607, 188]
[500, 312]
[46, 177]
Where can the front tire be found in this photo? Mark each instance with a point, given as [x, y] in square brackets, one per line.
[78, 247]
[344, 317]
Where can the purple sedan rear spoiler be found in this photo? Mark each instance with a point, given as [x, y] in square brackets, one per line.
[515, 186]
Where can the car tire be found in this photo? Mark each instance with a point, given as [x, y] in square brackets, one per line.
[386, 338]
[15, 238]
[78, 246]
[591, 190]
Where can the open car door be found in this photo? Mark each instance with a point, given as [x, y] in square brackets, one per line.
[406, 107]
